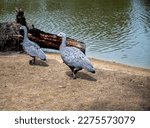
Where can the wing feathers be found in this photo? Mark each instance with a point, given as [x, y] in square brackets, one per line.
[75, 58]
[34, 50]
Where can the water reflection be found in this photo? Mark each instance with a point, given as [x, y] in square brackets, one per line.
[116, 30]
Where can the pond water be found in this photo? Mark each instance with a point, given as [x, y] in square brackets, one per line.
[114, 30]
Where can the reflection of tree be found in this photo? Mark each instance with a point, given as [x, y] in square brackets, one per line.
[146, 12]
[141, 15]
[146, 2]
[9, 5]
[107, 15]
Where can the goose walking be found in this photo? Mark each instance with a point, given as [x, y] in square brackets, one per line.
[31, 48]
[74, 58]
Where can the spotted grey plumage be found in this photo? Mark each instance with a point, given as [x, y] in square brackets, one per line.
[31, 48]
[74, 58]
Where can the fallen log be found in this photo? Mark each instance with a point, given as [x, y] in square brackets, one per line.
[10, 37]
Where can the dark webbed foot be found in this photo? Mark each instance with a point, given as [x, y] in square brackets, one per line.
[31, 62]
[74, 71]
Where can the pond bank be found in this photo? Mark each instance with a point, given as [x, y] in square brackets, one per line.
[49, 86]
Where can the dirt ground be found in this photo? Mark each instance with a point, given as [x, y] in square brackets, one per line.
[49, 86]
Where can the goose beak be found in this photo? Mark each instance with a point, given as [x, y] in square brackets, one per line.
[59, 35]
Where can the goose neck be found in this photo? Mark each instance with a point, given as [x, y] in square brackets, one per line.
[25, 35]
[63, 41]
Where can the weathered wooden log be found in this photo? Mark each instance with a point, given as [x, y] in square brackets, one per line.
[10, 37]
[47, 40]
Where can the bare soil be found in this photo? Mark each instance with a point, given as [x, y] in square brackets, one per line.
[49, 86]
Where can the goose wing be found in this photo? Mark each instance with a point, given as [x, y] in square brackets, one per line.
[34, 44]
[41, 54]
[34, 50]
[31, 50]
[75, 58]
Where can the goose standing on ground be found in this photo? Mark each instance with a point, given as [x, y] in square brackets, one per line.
[74, 58]
[31, 48]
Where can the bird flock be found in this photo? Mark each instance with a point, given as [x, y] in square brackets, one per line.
[71, 56]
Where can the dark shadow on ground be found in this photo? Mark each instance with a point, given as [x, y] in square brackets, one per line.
[82, 75]
[40, 63]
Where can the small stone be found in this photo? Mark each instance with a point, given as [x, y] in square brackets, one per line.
[62, 87]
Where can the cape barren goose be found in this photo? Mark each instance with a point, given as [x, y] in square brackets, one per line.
[74, 58]
[31, 48]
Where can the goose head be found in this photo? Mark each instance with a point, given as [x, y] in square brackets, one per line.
[23, 32]
[61, 34]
